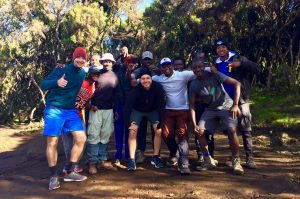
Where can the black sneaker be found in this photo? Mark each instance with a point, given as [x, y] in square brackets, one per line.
[131, 165]
[184, 170]
[156, 161]
[200, 166]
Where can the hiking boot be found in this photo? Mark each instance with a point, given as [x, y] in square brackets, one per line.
[209, 162]
[74, 177]
[172, 161]
[92, 169]
[156, 161]
[184, 170]
[105, 165]
[139, 157]
[250, 164]
[53, 183]
[131, 165]
[237, 167]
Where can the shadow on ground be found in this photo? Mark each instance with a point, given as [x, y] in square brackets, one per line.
[24, 172]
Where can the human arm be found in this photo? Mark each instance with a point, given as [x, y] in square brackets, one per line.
[193, 114]
[161, 102]
[192, 101]
[237, 92]
[244, 64]
[188, 75]
[117, 94]
[54, 80]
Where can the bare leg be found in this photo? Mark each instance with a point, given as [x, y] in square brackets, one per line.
[157, 139]
[51, 151]
[233, 142]
[202, 140]
[132, 140]
[79, 138]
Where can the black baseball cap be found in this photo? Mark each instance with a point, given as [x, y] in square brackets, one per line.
[220, 42]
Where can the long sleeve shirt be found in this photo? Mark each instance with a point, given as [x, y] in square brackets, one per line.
[106, 91]
[63, 97]
[144, 100]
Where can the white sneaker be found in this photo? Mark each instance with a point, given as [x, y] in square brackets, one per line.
[237, 167]
[210, 162]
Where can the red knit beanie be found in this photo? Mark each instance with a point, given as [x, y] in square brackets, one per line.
[79, 52]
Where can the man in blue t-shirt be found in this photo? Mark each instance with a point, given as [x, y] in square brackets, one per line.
[243, 70]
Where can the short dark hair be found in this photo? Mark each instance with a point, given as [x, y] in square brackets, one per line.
[179, 58]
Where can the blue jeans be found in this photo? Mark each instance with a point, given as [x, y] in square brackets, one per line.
[96, 152]
[121, 133]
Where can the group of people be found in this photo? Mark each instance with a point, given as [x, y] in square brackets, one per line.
[86, 104]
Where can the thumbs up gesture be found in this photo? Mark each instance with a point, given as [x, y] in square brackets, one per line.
[62, 82]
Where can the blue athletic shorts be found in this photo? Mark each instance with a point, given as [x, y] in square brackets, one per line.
[58, 120]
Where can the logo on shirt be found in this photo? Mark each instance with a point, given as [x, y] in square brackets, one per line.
[208, 91]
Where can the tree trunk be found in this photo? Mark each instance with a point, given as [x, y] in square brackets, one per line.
[270, 69]
[39, 88]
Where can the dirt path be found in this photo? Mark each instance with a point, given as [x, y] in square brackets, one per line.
[23, 174]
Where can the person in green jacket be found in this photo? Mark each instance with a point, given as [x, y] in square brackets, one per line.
[60, 115]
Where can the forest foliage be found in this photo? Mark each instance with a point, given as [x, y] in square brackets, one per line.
[35, 35]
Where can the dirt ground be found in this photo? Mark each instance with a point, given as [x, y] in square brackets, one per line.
[23, 174]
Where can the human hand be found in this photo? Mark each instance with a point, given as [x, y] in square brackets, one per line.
[94, 108]
[124, 51]
[116, 116]
[196, 129]
[62, 82]
[213, 68]
[234, 111]
[235, 64]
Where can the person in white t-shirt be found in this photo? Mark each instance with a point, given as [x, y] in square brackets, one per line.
[176, 112]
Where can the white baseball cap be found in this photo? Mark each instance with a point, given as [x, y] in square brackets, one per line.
[165, 60]
[147, 54]
[108, 56]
